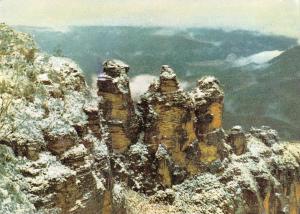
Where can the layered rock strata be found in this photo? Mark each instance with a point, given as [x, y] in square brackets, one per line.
[183, 136]
[117, 105]
[208, 100]
[237, 140]
[168, 119]
[50, 121]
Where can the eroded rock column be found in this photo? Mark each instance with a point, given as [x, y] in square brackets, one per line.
[168, 120]
[118, 109]
[237, 139]
[208, 98]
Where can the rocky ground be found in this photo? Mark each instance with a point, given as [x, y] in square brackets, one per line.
[65, 148]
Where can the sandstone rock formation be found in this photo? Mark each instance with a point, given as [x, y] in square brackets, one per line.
[117, 105]
[67, 149]
[208, 99]
[59, 165]
[168, 119]
[237, 139]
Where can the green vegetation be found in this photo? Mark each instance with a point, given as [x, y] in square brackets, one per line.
[146, 49]
[37, 92]
[273, 98]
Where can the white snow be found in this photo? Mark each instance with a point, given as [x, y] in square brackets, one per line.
[59, 62]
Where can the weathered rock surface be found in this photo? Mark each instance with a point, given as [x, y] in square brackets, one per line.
[168, 118]
[208, 98]
[67, 149]
[118, 109]
[60, 166]
[247, 185]
[237, 140]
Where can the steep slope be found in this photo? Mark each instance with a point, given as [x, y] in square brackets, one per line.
[273, 97]
[42, 120]
[287, 64]
[147, 48]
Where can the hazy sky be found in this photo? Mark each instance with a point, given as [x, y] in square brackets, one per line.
[272, 16]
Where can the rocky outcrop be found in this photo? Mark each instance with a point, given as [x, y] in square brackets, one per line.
[118, 109]
[65, 149]
[247, 185]
[208, 99]
[168, 119]
[237, 140]
[183, 136]
[52, 124]
[69, 184]
[93, 120]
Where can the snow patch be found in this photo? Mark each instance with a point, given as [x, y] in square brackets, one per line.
[58, 63]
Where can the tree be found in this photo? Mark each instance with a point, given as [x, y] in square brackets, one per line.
[5, 115]
[58, 52]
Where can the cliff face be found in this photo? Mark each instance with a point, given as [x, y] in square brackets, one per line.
[61, 165]
[168, 118]
[67, 149]
[117, 106]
